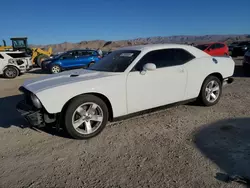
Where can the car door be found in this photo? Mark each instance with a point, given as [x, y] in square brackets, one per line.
[85, 57]
[68, 60]
[165, 85]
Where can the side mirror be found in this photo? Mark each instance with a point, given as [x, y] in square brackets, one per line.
[148, 67]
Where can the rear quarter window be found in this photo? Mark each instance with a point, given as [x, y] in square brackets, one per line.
[1, 57]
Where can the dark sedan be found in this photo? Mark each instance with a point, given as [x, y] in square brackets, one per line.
[241, 49]
[246, 62]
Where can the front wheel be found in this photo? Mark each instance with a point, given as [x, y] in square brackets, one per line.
[54, 69]
[211, 91]
[86, 116]
[91, 63]
[11, 72]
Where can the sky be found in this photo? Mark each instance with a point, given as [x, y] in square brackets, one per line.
[57, 21]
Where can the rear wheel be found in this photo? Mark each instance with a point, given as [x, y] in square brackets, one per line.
[40, 59]
[11, 72]
[211, 91]
[91, 63]
[86, 117]
[54, 69]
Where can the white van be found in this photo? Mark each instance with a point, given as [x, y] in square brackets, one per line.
[13, 63]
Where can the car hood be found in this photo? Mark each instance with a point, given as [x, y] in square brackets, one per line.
[64, 78]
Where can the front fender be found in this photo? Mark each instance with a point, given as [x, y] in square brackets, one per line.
[54, 99]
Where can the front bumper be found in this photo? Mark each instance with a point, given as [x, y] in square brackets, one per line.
[33, 116]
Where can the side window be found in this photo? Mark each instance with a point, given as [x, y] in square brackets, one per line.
[85, 53]
[212, 47]
[1, 57]
[182, 56]
[161, 58]
[68, 55]
[219, 45]
[164, 58]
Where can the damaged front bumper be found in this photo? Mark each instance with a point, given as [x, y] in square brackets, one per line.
[33, 116]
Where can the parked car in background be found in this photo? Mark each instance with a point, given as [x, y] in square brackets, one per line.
[214, 49]
[241, 49]
[71, 60]
[13, 63]
[246, 62]
[128, 80]
[232, 45]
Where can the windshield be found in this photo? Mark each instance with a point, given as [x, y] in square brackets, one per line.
[202, 46]
[117, 61]
[19, 44]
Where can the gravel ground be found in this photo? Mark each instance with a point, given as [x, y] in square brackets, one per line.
[181, 146]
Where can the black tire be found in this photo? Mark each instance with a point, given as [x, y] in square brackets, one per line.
[74, 104]
[55, 67]
[91, 63]
[40, 59]
[202, 97]
[11, 72]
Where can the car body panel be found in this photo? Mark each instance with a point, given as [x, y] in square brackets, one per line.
[23, 65]
[130, 91]
[160, 81]
[111, 85]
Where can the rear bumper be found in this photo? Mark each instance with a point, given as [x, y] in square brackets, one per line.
[227, 81]
[34, 117]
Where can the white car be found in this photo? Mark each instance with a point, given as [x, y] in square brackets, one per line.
[129, 80]
[12, 63]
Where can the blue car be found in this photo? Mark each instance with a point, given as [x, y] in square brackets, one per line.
[72, 59]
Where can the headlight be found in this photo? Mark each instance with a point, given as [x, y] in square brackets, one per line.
[244, 48]
[36, 101]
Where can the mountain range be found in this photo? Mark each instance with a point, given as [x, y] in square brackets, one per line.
[111, 45]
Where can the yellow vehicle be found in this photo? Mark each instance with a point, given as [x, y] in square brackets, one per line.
[21, 44]
[4, 47]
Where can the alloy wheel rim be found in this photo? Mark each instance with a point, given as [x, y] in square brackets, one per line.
[212, 91]
[87, 118]
[10, 73]
[55, 69]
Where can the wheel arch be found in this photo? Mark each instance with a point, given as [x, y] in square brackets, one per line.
[216, 74]
[99, 95]
[18, 70]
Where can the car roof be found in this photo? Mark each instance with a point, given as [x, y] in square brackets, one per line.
[150, 47]
[210, 43]
[84, 49]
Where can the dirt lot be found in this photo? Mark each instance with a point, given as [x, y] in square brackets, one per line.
[181, 146]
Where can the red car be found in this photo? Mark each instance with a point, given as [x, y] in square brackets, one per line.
[214, 49]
